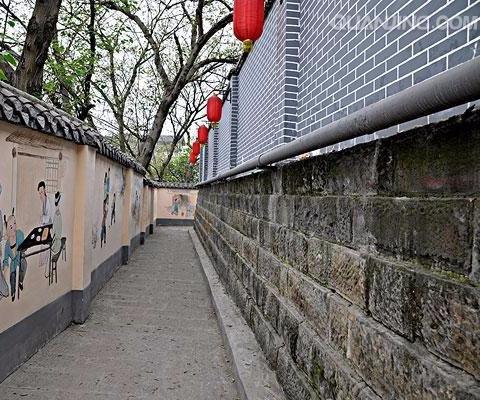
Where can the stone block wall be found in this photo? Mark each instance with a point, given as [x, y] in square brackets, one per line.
[358, 271]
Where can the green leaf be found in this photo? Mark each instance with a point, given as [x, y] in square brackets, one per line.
[11, 23]
[9, 58]
[3, 77]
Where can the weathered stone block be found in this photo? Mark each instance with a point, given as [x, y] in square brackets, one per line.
[263, 182]
[249, 251]
[236, 239]
[269, 267]
[281, 210]
[318, 257]
[396, 368]
[329, 218]
[267, 338]
[271, 306]
[339, 268]
[348, 274]
[296, 178]
[278, 234]
[328, 373]
[287, 325]
[237, 291]
[263, 207]
[394, 296]
[338, 323]
[236, 265]
[248, 277]
[283, 286]
[435, 232]
[429, 162]
[251, 205]
[296, 250]
[351, 171]
[265, 236]
[310, 298]
[450, 322]
[293, 382]
[475, 273]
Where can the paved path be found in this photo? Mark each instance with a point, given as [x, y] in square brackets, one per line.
[152, 334]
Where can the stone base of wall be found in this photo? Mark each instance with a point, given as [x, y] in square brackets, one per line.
[135, 243]
[358, 271]
[81, 299]
[174, 222]
[21, 341]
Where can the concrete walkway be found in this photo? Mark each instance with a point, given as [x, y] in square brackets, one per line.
[152, 334]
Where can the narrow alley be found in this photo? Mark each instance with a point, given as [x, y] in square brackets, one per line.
[152, 334]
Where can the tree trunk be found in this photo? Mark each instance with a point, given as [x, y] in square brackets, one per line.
[147, 148]
[84, 111]
[41, 30]
[164, 166]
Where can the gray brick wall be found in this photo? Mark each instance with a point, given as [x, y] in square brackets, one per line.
[306, 71]
[224, 138]
[257, 98]
[204, 163]
[344, 70]
[212, 153]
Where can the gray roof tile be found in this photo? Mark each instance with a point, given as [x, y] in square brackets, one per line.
[19, 108]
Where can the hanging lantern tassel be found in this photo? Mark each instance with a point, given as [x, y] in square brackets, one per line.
[214, 110]
[248, 19]
[247, 46]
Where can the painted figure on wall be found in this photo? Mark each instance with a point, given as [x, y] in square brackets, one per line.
[136, 207]
[46, 213]
[113, 216]
[46, 218]
[94, 235]
[103, 235]
[57, 226]
[181, 205]
[106, 183]
[107, 189]
[14, 258]
[59, 242]
[4, 290]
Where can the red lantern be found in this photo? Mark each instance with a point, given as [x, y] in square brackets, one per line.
[248, 18]
[196, 148]
[214, 109]
[192, 159]
[202, 136]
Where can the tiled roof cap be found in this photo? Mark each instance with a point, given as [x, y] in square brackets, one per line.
[20, 108]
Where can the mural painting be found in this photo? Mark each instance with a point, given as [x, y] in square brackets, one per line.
[14, 259]
[105, 207]
[136, 201]
[108, 216]
[45, 241]
[181, 205]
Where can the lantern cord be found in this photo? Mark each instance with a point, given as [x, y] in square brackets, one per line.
[451, 88]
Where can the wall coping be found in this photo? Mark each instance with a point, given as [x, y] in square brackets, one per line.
[169, 185]
[20, 108]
